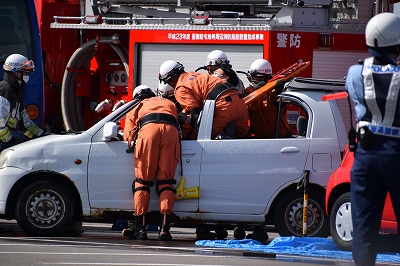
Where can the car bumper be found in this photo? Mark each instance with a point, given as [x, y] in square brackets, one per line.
[8, 177]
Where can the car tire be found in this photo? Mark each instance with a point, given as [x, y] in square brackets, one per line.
[289, 215]
[45, 208]
[341, 223]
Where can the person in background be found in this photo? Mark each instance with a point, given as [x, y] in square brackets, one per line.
[264, 111]
[374, 88]
[192, 89]
[152, 129]
[12, 111]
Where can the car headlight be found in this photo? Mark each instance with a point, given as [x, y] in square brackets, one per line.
[4, 157]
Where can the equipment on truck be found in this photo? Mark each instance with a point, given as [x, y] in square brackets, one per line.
[107, 48]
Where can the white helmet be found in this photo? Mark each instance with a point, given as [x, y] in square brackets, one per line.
[165, 90]
[142, 92]
[382, 31]
[18, 63]
[169, 69]
[217, 58]
[260, 69]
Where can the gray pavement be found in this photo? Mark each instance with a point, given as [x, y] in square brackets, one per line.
[100, 245]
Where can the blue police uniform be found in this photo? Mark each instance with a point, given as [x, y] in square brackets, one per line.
[374, 88]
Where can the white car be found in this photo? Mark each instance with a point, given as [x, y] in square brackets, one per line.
[49, 183]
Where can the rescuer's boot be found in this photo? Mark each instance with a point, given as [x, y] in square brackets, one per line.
[164, 227]
[221, 233]
[239, 233]
[259, 234]
[203, 233]
[139, 228]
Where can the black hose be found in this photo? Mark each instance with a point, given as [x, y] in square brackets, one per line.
[71, 106]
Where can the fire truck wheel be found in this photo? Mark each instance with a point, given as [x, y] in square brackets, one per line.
[341, 223]
[289, 215]
[45, 208]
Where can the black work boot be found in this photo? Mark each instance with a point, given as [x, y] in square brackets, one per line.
[164, 227]
[139, 228]
[203, 233]
[259, 234]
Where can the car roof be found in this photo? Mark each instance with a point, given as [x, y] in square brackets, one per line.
[317, 84]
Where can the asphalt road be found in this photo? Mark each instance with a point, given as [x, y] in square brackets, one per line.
[100, 245]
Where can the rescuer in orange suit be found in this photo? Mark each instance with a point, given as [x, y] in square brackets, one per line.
[217, 64]
[193, 88]
[152, 127]
[264, 111]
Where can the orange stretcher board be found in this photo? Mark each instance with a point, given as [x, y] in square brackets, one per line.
[285, 74]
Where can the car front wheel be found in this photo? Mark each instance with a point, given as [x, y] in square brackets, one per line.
[45, 208]
[341, 222]
[289, 215]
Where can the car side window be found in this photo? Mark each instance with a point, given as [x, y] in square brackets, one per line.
[292, 121]
[297, 118]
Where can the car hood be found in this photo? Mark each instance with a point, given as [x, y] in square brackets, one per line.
[44, 152]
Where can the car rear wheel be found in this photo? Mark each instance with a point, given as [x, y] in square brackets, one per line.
[341, 222]
[45, 208]
[289, 215]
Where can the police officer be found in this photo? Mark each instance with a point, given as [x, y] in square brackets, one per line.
[153, 128]
[374, 88]
[12, 111]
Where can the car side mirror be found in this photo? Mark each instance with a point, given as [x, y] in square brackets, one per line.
[110, 130]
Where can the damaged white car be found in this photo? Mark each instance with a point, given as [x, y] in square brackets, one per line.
[48, 184]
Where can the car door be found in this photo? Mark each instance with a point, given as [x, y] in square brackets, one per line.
[239, 176]
[111, 174]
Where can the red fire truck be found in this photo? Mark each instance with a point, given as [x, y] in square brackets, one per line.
[97, 50]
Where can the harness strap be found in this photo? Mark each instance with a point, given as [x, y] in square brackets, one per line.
[141, 188]
[165, 182]
[148, 184]
[144, 182]
[164, 189]
[219, 89]
[159, 118]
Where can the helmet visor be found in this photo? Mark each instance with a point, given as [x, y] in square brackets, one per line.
[28, 66]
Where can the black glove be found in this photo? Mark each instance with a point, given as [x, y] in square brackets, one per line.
[42, 135]
[259, 85]
[280, 84]
[182, 118]
[232, 76]
[194, 116]
[14, 141]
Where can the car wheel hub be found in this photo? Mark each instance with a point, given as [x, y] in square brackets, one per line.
[45, 209]
[315, 218]
[343, 222]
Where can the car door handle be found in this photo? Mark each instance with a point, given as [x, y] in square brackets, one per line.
[188, 152]
[289, 150]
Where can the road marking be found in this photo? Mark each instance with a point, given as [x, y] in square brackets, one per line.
[140, 264]
[106, 254]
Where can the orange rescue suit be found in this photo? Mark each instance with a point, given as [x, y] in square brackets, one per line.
[191, 91]
[156, 152]
[264, 115]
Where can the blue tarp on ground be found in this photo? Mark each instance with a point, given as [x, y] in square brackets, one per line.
[305, 246]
